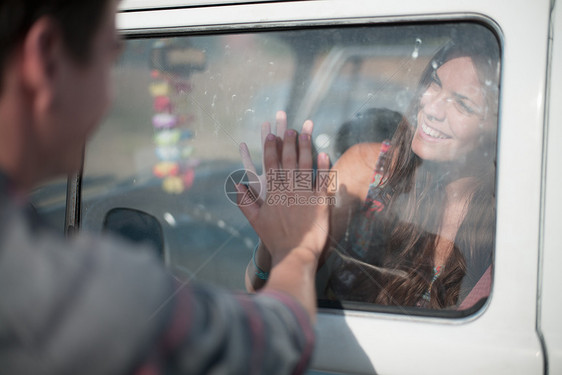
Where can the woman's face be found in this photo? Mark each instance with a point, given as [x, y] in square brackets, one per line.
[452, 121]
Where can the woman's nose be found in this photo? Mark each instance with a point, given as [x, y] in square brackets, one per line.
[435, 106]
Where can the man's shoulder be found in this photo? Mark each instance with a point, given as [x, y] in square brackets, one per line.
[86, 294]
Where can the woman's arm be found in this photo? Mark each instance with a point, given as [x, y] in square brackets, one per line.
[354, 171]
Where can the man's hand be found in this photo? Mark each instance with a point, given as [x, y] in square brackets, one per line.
[292, 224]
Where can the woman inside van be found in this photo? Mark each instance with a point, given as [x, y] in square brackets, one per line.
[415, 218]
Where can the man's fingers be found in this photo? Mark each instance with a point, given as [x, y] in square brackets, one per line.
[279, 146]
[246, 157]
[307, 127]
[323, 165]
[270, 157]
[247, 203]
[289, 153]
[323, 161]
[305, 152]
[280, 123]
[265, 130]
[254, 181]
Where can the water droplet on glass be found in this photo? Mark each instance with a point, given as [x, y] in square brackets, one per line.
[170, 219]
[416, 51]
[248, 242]
[322, 141]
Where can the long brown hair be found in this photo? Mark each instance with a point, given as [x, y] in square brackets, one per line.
[402, 248]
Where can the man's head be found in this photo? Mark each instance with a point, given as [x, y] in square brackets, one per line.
[78, 21]
[55, 59]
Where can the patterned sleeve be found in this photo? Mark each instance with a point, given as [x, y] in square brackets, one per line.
[95, 305]
[214, 331]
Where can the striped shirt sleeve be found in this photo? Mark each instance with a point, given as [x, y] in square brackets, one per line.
[209, 330]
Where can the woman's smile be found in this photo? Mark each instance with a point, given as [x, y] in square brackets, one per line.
[432, 133]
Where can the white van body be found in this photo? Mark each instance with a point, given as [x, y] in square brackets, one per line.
[519, 330]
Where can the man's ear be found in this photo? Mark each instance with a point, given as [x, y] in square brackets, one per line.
[42, 57]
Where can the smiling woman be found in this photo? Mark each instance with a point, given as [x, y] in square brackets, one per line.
[456, 117]
[450, 120]
[421, 231]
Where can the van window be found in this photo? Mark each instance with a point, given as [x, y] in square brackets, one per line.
[49, 201]
[420, 98]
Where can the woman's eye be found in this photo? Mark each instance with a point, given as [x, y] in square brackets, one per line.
[464, 107]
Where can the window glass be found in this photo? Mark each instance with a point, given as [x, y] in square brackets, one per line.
[49, 201]
[409, 111]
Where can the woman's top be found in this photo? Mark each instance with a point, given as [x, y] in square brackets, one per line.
[363, 237]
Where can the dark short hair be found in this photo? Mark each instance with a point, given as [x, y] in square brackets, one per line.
[78, 19]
